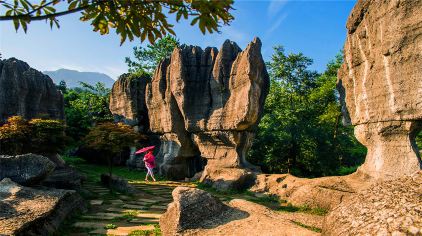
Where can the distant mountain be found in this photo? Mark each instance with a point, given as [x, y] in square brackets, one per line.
[72, 77]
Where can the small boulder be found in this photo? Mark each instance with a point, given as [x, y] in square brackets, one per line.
[27, 169]
[117, 183]
[192, 209]
[64, 178]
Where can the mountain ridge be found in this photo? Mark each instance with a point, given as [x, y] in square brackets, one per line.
[72, 77]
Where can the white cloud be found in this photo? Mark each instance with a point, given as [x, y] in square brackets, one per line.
[276, 24]
[275, 6]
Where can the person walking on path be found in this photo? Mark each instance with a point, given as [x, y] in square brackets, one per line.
[149, 160]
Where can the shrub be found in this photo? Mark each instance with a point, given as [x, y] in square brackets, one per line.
[41, 136]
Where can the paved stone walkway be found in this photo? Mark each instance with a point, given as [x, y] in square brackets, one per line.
[119, 214]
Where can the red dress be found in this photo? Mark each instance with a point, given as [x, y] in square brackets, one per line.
[149, 160]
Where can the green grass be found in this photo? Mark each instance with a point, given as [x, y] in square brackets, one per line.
[110, 226]
[127, 215]
[305, 209]
[93, 172]
[315, 229]
[155, 232]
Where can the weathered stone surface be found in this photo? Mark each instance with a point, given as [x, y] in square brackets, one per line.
[391, 207]
[192, 208]
[127, 101]
[27, 92]
[28, 211]
[64, 178]
[380, 84]
[206, 103]
[117, 183]
[325, 192]
[25, 169]
[195, 212]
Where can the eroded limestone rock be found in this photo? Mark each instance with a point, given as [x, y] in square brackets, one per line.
[391, 207]
[380, 84]
[27, 92]
[29, 211]
[206, 103]
[127, 101]
[25, 169]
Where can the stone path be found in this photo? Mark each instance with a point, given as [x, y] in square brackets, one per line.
[119, 214]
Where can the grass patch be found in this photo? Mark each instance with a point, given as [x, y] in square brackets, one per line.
[110, 226]
[93, 172]
[315, 229]
[305, 209]
[127, 215]
[155, 232]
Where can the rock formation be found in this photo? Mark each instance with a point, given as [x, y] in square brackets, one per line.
[29, 211]
[380, 84]
[193, 208]
[206, 103]
[27, 92]
[196, 212]
[25, 169]
[391, 207]
[127, 101]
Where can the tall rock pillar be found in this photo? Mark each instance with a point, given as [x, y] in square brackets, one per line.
[380, 84]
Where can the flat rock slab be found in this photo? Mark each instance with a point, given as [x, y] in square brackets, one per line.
[124, 197]
[146, 200]
[115, 209]
[90, 225]
[145, 221]
[96, 202]
[122, 231]
[159, 207]
[117, 201]
[149, 215]
[102, 216]
[137, 207]
[29, 211]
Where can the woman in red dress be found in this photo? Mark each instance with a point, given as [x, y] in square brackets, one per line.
[149, 160]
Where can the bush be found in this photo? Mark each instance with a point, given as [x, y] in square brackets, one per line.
[41, 136]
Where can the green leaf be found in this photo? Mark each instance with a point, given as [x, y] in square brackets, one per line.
[73, 5]
[16, 24]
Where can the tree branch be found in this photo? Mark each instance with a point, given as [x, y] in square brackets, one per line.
[43, 17]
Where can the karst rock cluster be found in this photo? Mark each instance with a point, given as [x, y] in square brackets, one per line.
[205, 104]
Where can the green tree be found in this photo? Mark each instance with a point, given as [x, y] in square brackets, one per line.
[130, 18]
[84, 107]
[147, 59]
[300, 132]
[62, 86]
[110, 139]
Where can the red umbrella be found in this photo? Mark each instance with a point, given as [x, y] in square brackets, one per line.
[145, 149]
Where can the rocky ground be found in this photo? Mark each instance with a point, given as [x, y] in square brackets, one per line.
[138, 214]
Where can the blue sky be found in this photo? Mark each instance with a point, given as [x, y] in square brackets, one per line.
[315, 28]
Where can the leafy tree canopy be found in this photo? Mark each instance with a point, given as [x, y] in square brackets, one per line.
[84, 107]
[147, 59]
[130, 18]
[300, 132]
